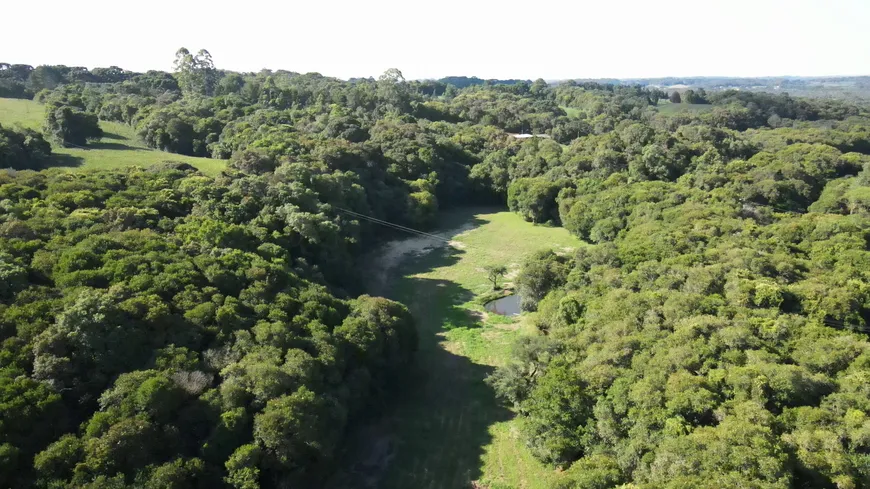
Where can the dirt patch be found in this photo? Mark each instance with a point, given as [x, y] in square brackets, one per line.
[389, 256]
[507, 326]
[491, 335]
[457, 244]
[479, 316]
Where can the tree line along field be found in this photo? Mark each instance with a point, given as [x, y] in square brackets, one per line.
[695, 283]
[119, 146]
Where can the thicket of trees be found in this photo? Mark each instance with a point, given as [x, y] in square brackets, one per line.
[22, 149]
[165, 329]
[713, 333]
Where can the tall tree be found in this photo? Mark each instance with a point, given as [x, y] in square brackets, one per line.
[196, 73]
[393, 90]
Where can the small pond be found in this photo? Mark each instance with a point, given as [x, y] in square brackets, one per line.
[508, 305]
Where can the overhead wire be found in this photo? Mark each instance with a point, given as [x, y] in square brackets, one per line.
[395, 226]
[392, 225]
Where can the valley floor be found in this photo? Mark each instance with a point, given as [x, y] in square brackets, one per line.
[446, 429]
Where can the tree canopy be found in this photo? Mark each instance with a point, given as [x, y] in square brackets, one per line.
[162, 328]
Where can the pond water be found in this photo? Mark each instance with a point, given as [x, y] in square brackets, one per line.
[508, 305]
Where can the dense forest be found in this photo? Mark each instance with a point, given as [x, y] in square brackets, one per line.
[165, 329]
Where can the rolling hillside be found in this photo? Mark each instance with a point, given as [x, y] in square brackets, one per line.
[119, 147]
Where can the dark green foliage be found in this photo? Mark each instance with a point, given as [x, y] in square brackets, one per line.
[299, 430]
[23, 149]
[540, 274]
[713, 334]
[157, 322]
[694, 97]
[534, 199]
[165, 329]
[558, 413]
[252, 162]
[70, 125]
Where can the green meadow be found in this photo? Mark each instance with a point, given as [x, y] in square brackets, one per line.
[447, 430]
[119, 147]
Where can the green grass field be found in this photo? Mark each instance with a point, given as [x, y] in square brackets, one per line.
[668, 108]
[119, 147]
[447, 430]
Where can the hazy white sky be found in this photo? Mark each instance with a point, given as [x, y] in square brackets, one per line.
[490, 39]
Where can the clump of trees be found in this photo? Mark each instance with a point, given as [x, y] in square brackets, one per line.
[23, 149]
[70, 125]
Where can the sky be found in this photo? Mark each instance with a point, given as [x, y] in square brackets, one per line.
[430, 39]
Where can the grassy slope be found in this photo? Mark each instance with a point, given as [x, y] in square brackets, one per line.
[448, 429]
[119, 147]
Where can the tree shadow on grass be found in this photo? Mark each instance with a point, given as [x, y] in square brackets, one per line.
[432, 431]
[112, 135]
[63, 160]
[114, 146]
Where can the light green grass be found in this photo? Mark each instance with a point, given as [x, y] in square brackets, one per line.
[670, 109]
[571, 111]
[120, 147]
[448, 428]
[26, 113]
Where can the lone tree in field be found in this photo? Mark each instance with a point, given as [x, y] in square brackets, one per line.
[493, 272]
[675, 98]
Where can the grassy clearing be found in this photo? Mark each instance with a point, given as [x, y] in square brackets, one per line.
[447, 429]
[669, 108]
[570, 111]
[120, 147]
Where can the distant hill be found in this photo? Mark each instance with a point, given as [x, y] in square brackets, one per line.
[830, 86]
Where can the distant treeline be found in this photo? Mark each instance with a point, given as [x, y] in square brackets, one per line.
[24, 81]
[829, 87]
[730, 81]
[466, 81]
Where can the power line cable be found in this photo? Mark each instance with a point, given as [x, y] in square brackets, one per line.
[398, 227]
[392, 225]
